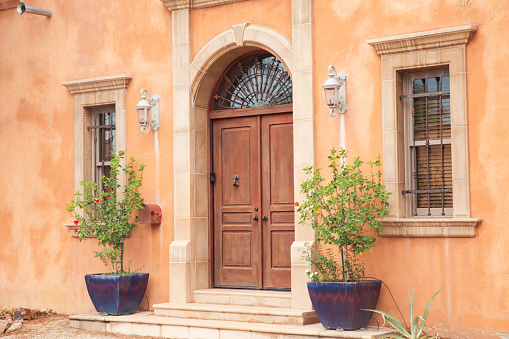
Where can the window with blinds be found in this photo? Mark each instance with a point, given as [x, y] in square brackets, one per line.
[429, 141]
[104, 139]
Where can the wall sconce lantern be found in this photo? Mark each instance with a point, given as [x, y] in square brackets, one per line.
[148, 112]
[334, 90]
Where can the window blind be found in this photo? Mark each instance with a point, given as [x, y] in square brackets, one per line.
[104, 136]
[430, 145]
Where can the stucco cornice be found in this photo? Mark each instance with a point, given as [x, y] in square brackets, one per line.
[98, 84]
[175, 5]
[423, 40]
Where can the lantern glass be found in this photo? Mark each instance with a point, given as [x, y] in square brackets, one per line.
[330, 95]
[143, 115]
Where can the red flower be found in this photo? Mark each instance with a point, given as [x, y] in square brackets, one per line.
[296, 203]
[121, 153]
[76, 222]
[97, 200]
[75, 231]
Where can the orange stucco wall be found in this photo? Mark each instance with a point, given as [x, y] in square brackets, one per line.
[42, 266]
[207, 23]
[472, 272]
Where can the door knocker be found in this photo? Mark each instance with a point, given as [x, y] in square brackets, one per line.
[236, 180]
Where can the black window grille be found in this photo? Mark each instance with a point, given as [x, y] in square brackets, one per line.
[104, 140]
[430, 145]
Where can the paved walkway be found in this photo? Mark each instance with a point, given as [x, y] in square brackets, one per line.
[57, 327]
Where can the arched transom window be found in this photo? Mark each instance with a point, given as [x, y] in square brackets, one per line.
[255, 81]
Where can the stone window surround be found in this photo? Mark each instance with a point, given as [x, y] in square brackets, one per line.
[87, 94]
[444, 47]
[190, 252]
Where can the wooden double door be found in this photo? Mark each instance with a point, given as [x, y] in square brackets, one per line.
[253, 201]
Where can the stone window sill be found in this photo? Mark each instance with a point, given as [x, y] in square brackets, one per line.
[430, 227]
[71, 228]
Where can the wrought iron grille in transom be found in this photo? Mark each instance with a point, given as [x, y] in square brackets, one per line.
[255, 81]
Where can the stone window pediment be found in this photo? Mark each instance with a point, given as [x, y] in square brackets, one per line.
[175, 5]
[439, 38]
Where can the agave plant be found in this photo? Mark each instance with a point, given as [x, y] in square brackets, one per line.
[416, 330]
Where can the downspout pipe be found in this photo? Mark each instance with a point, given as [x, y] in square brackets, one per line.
[22, 8]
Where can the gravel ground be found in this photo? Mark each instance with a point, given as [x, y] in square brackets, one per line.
[56, 326]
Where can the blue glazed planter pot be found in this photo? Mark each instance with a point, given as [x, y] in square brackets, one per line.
[340, 304]
[116, 294]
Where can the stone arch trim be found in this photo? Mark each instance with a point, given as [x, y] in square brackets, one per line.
[193, 79]
[243, 35]
[204, 70]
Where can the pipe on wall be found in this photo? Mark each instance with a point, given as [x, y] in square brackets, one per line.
[22, 8]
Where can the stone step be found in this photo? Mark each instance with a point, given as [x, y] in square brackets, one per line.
[252, 314]
[148, 324]
[239, 297]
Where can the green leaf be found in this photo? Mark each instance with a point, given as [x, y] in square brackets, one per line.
[426, 311]
[394, 322]
[392, 335]
[414, 327]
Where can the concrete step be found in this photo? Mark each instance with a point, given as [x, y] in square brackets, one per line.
[148, 324]
[252, 314]
[226, 296]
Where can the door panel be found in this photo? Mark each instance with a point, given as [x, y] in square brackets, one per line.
[281, 259]
[234, 160]
[259, 150]
[236, 249]
[277, 199]
[236, 234]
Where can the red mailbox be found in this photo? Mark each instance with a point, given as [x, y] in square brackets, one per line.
[150, 214]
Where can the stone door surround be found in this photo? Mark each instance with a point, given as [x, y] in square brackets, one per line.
[193, 80]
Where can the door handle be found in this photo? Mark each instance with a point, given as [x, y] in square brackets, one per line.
[255, 218]
[236, 180]
[264, 218]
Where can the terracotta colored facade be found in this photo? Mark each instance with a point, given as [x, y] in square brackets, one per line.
[178, 50]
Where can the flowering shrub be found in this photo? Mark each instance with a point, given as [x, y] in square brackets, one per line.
[313, 276]
[109, 214]
[339, 210]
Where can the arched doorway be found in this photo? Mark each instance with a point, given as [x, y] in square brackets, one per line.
[250, 113]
